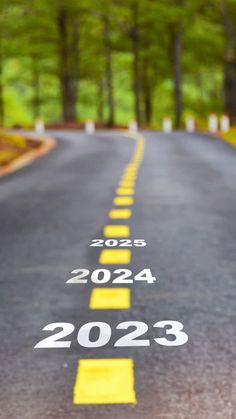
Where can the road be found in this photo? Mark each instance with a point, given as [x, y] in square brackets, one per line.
[185, 209]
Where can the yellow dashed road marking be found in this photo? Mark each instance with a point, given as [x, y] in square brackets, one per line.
[116, 231]
[110, 381]
[125, 191]
[132, 165]
[115, 256]
[123, 200]
[104, 381]
[127, 183]
[120, 213]
[130, 172]
[128, 178]
[110, 298]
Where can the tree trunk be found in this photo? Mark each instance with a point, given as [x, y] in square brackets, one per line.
[74, 64]
[147, 94]
[136, 63]
[100, 101]
[229, 65]
[177, 74]
[36, 89]
[68, 39]
[108, 72]
[147, 106]
[2, 113]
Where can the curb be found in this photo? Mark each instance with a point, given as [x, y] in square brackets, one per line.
[30, 156]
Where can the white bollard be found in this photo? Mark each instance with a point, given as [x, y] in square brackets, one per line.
[167, 125]
[213, 123]
[89, 127]
[133, 126]
[39, 127]
[190, 124]
[224, 123]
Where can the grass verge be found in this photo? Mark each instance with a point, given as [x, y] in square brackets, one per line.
[230, 136]
[13, 146]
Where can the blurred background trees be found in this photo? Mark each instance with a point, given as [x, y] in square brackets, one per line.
[116, 60]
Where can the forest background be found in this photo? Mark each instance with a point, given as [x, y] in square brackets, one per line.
[112, 61]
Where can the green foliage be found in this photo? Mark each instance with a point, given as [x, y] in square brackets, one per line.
[31, 61]
[230, 137]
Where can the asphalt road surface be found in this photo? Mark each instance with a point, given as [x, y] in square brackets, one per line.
[185, 209]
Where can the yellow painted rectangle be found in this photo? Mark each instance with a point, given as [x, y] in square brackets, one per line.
[132, 166]
[120, 213]
[130, 172]
[116, 231]
[125, 191]
[105, 381]
[127, 184]
[123, 200]
[115, 257]
[128, 178]
[110, 298]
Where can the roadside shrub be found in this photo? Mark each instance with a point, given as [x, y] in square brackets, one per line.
[12, 139]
